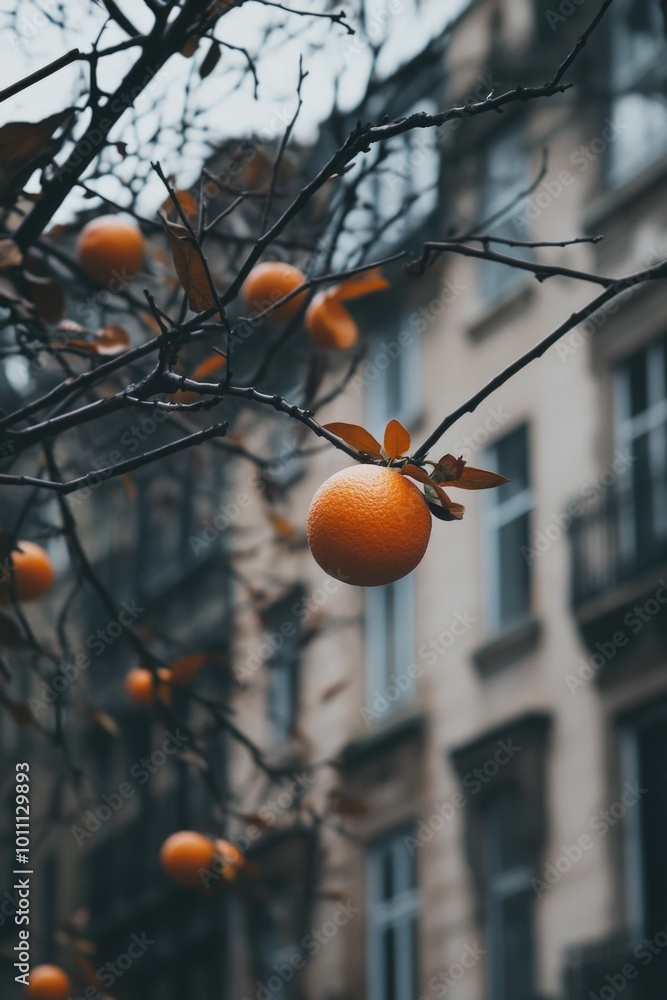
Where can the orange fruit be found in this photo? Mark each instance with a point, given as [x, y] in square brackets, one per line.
[329, 323]
[48, 982]
[270, 282]
[111, 249]
[368, 526]
[140, 686]
[33, 573]
[232, 858]
[184, 854]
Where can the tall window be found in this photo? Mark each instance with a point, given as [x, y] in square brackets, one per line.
[506, 175]
[507, 515]
[393, 907]
[390, 645]
[638, 76]
[645, 830]
[393, 391]
[510, 902]
[641, 406]
[393, 374]
[284, 626]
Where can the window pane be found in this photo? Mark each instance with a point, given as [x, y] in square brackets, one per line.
[511, 460]
[388, 963]
[517, 944]
[514, 571]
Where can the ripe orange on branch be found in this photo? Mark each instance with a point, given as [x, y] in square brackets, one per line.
[48, 982]
[110, 248]
[185, 855]
[368, 526]
[33, 573]
[141, 688]
[269, 283]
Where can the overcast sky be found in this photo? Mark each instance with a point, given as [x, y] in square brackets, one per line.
[226, 107]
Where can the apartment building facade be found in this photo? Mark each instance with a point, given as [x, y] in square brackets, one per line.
[497, 719]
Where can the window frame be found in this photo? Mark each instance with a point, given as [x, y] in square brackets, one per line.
[494, 518]
[397, 915]
[379, 631]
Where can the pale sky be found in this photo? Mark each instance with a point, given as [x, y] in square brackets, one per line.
[404, 25]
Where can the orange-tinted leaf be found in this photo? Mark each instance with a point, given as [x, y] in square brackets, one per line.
[104, 721]
[360, 284]
[129, 486]
[478, 479]
[348, 805]
[283, 528]
[396, 439]
[356, 436]
[416, 473]
[210, 60]
[448, 469]
[209, 366]
[110, 340]
[440, 504]
[190, 267]
[190, 46]
[185, 200]
[185, 669]
[10, 255]
[48, 298]
[22, 144]
[20, 712]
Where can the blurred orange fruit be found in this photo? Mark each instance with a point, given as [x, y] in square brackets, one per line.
[111, 249]
[184, 855]
[268, 283]
[33, 573]
[141, 689]
[48, 982]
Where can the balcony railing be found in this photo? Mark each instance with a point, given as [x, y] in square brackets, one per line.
[618, 539]
[612, 967]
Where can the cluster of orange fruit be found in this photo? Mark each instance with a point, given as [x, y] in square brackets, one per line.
[329, 323]
[144, 686]
[193, 860]
[111, 248]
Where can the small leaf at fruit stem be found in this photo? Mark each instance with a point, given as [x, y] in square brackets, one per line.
[359, 285]
[396, 440]
[455, 472]
[189, 267]
[356, 436]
